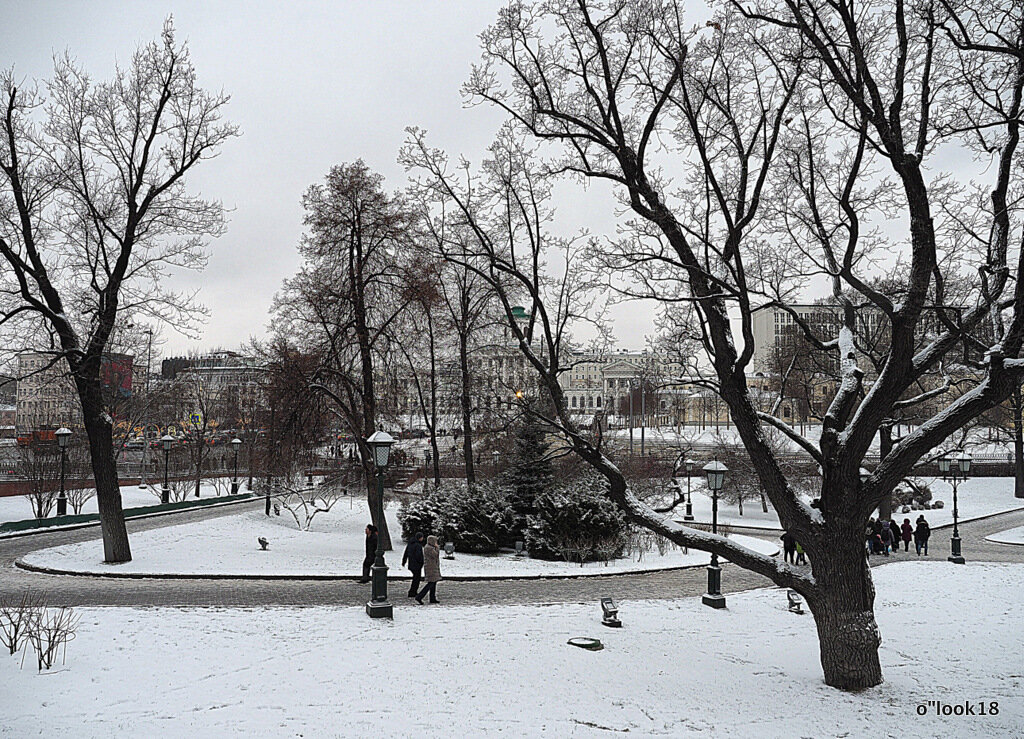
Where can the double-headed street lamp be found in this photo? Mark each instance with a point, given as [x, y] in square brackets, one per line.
[235, 443]
[689, 464]
[166, 441]
[380, 444]
[715, 472]
[954, 470]
[63, 434]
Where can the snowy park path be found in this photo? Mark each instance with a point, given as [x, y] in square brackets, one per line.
[85, 590]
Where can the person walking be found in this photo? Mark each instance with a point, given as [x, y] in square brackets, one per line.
[895, 530]
[921, 534]
[908, 534]
[431, 570]
[371, 551]
[800, 558]
[413, 558]
[789, 547]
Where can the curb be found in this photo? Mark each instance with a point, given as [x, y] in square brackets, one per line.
[137, 517]
[333, 578]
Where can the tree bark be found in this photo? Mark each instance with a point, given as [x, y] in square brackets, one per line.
[843, 609]
[98, 428]
[884, 447]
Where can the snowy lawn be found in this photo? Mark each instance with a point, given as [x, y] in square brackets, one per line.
[18, 507]
[977, 497]
[334, 546]
[676, 669]
[1010, 536]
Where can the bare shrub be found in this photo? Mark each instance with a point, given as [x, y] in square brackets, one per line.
[304, 503]
[78, 497]
[17, 618]
[50, 634]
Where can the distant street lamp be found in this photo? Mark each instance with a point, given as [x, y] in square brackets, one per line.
[715, 472]
[62, 434]
[689, 464]
[954, 470]
[494, 455]
[236, 443]
[380, 444]
[166, 441]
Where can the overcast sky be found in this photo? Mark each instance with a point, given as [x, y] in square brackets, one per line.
[313, 84]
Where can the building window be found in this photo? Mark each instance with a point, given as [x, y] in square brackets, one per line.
[573, 401]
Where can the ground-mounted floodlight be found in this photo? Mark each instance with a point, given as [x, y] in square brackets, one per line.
[380, 446]
[715, 473]
[520, 548]
[611, 613]
[449, 550]
[795, 603]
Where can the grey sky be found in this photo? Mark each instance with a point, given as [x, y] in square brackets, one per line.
[312, 84]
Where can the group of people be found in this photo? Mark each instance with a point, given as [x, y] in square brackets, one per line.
[884, 537]
[422, 559]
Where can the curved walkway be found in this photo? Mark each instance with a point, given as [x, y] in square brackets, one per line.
[100, 591]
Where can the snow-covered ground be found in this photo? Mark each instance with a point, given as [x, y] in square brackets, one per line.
[19, 508]
[977, 497]
[675, 669]
[1010, 536]
[334, 546]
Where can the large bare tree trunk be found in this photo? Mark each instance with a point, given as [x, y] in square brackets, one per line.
[884, 447]
[98, 428]
[843, 609]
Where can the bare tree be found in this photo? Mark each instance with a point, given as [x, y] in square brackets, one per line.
[797, 105]
[94, 211]
[39, 465]
[346, 299]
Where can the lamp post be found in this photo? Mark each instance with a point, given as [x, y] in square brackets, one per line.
[166, 441]
[494, 457]
[62, 434]
[954, 470]
[689, 463]
[715, 472]
[380, 443]
[235, 443]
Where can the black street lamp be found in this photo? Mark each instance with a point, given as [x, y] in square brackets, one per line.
[494, 456]
[715, 472]
[236, 443]
[954, 470]
[166, 441]
[380, 443]
[62, 434]
[689, 464]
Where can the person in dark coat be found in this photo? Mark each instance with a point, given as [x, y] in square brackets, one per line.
[894, 528]
[921, 534]
[789, 547]
[431, 569]
[413, 558]
[886, 534]
[908, 534]
[371, 551]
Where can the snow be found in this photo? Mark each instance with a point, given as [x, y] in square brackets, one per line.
[977, 497]
[18, 507]
[334, 546]
[675, 669]
[1010, 536]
